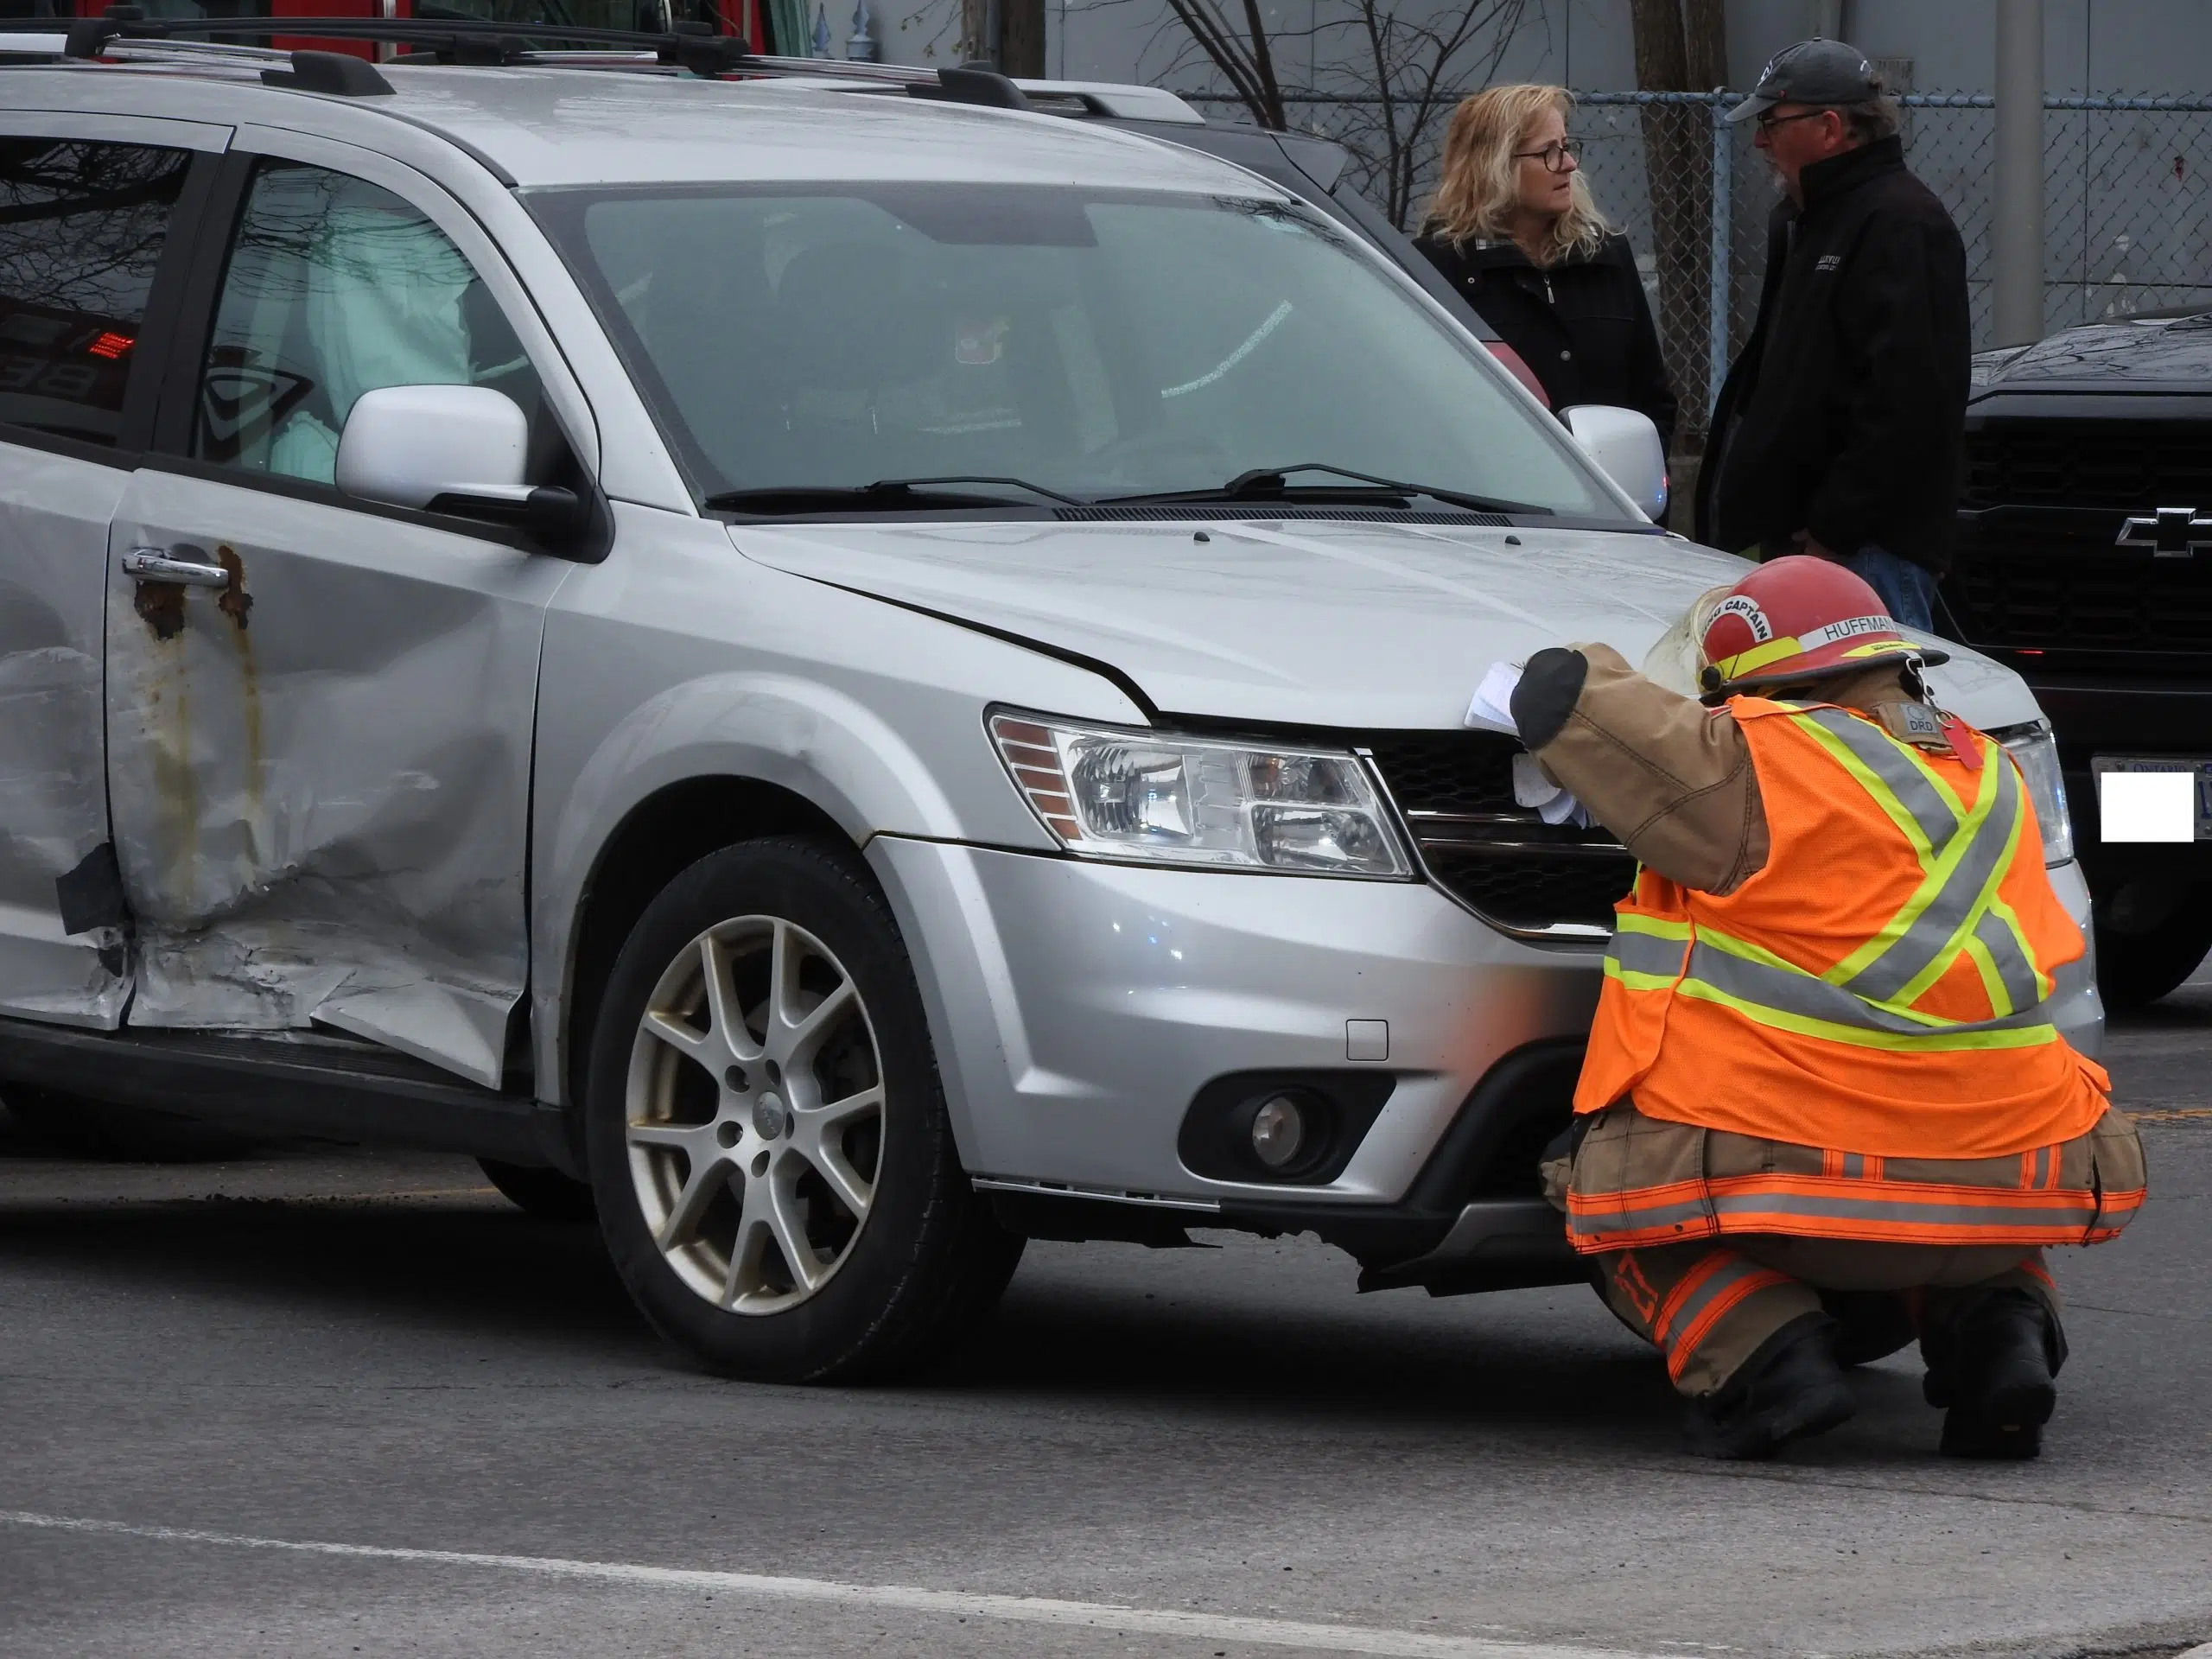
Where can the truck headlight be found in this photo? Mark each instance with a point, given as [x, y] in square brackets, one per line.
[2036, 751]
[1154, 797]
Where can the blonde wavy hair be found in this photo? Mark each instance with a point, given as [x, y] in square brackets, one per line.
[1480, 187]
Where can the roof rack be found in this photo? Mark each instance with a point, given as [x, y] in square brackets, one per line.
[124, 32]
[694, 46]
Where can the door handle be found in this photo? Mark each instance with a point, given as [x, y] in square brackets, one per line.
[155, 564]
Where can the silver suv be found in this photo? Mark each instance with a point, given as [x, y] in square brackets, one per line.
[870, 677]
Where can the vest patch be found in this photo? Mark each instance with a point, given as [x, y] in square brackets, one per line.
[1829, 261]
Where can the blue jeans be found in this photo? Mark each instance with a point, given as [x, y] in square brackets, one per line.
[1907, 589]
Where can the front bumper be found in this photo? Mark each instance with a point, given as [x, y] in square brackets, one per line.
[1078, 1009]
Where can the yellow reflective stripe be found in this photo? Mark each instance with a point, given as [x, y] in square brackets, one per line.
[1662, 927]
[1932, 1042]
[1993, 982]
[1750, 661]
[1746, 949]
[2045, 984]
[1632, 980]
[1939, 869]
[1917, 987]
[1923, 851]
[1911, 755]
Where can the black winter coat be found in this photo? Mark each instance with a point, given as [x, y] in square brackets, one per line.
[1582, 326]
[1844, 415]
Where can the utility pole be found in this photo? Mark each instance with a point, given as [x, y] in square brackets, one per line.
[2016, 226]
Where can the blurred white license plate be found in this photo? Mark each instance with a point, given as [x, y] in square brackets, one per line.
[2152, 798]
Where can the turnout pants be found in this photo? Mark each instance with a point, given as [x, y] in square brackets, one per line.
[1711, 1306]
[1708, 1244]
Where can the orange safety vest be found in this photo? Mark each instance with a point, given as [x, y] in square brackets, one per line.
[1878, 985]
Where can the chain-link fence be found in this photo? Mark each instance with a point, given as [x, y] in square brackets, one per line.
[2128, 203]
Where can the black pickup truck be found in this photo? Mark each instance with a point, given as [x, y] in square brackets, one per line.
[2085, 561]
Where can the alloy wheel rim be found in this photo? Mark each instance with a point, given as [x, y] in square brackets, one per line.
[755, 1118]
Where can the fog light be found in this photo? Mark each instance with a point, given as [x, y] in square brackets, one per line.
[1279, 1132]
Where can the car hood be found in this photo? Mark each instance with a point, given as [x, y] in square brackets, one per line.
[1297, 622]
[2124, 355]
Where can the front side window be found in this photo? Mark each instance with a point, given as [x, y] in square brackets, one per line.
[1098, 346]
[337, 286]
[82, 226]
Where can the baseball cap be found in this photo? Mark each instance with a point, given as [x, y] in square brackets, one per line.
[1820, 72]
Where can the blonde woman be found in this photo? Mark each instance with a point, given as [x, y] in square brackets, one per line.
[1513, 227]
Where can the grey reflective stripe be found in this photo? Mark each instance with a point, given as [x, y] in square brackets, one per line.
[1792, 991]
[1647, 953]
[2039, 1171]
[1634, 1221]
[1912, 951]
[1883, 756]
[1854, 1165]
[2014, 971]
[2003, 1209]
[1682, 1319]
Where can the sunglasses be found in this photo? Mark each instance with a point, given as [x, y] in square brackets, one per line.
[1554, 156]
[1767, 120]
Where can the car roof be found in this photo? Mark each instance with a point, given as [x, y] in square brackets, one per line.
[543, 125]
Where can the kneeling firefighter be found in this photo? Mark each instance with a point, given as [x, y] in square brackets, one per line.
[1822, 1060]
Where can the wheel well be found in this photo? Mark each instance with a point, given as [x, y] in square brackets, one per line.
[664, 835]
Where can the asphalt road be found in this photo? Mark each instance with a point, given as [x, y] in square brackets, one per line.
[1189, 1452]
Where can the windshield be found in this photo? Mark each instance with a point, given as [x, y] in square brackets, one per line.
[1091, 345]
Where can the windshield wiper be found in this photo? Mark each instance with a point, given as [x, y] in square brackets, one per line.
[1272, 484]
[884, 495]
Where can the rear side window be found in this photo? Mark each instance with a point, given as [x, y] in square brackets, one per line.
[81, 229]
[337, 286]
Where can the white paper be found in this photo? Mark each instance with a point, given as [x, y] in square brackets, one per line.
[1552, 804]
[1564, 809]
[1531, 786]
[1491, 708]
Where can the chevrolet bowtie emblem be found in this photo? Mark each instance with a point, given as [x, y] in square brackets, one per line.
[2169, 533]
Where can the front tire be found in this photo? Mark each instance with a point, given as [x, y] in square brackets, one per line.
[2136, 970]
[540, 1194]
[766, 1134]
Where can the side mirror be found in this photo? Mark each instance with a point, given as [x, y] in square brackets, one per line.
[456, 449]
[1625, 445]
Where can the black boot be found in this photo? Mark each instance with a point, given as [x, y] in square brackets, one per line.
[1998, 1360]
[1790, 1388]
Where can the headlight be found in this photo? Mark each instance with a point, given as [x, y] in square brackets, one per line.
[2036, 751]
[1160, 799]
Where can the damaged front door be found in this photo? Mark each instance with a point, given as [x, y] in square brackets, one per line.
[87, 206]
[320, 712]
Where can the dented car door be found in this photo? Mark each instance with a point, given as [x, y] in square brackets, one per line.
[95, 213]
[319, 710]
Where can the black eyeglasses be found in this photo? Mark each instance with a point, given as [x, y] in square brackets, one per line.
[1767, 120]
[1554, 156]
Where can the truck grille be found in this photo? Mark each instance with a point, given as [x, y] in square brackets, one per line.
[2038, 567]
[1497, 858]
[2102, 600]
[2131, 465]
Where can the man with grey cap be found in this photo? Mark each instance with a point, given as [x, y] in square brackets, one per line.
[1839, 429]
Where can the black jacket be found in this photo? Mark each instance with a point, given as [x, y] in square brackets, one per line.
[1843, 416]
[1583, 327]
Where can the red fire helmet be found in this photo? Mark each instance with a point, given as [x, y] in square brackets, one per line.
[1798, 618]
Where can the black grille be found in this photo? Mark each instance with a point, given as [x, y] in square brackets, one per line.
[2107, 600]
[2132, 465]
[2039, 567]
[1499, 858]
